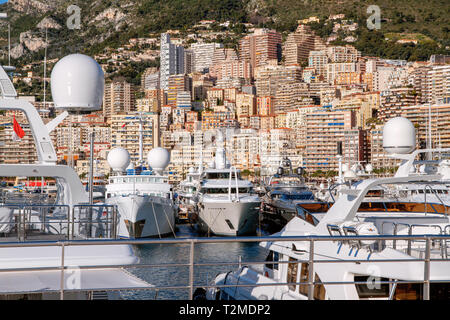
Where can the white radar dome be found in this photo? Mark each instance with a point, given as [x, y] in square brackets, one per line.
[350, 175]
[118, 159]
[191, 170]
[158, 158]
[77, 83]
[399, 136]
[369, 168]
[345, 167]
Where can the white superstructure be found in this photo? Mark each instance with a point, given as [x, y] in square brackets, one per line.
[144, 198]
[392, 269]
[227, 205]
[71, 218]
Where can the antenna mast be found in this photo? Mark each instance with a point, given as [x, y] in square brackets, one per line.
[45, 66]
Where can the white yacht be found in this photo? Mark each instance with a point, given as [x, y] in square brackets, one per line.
[284, 191]
[42, 265]
[357, 268]
[227, 205]
[144, 198]
[186, 195]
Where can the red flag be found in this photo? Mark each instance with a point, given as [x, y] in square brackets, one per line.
[18, 129]
[123, 126]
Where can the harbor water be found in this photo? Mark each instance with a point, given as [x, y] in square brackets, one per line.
[179, 253]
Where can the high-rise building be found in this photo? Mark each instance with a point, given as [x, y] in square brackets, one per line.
[291, 95]
[125, 133]
[171, 60]
[204, 55]
[232, 69]
[430, 116]
[393, 102]
[318, 60]
[268, 78]
[323, 131]
[299, 44]
[260, 47]
[118, 97]
[343, 54]
[177, 83]
[438, 85]
[150, 79]
[188, 61]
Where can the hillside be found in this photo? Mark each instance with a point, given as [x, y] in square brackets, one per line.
[111, 23]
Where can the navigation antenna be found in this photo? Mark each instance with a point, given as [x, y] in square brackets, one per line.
[45, 66]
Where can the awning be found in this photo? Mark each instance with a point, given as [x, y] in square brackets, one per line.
[74, 279]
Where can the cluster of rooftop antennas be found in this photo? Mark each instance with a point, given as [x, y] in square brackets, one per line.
[399, 136]
[77, 83]
[119, 159]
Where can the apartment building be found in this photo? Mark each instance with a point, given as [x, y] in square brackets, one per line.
[260, 47]
[323, 131]
[125, 133]
[118, 97]
[299, 44]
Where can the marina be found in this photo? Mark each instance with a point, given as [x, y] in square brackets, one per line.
[126, 223]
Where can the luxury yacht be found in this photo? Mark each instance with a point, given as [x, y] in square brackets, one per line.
[227, 205]
[39, 267]
[283, 192]
[186, 195]
[99, 187]
[357, 267]
[144, 198]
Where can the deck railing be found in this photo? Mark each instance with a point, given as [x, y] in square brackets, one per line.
[79, 221]
[192, 264]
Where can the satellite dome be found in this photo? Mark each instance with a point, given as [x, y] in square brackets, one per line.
[118, 159]
[77, 82]
[399, 136]
[158, 158]
[345, 167]
[191, 170]
[369, 168]
[350, 175]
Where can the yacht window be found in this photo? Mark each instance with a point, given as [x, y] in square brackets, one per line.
[272, 257]
[319, 288]
[304, 215]
[297, 197]
[218, 175]
[224, 190]
[292, 273]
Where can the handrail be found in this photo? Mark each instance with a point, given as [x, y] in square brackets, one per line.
[65, 217]
[192, 264]
[236, 183]
[437, 196]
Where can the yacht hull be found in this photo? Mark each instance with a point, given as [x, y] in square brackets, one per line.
[228, 218]
[144, 216]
